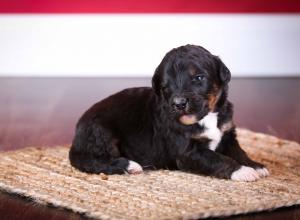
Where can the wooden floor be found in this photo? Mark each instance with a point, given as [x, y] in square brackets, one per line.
[35, 112]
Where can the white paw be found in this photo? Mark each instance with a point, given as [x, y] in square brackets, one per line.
[263, 172]
[246, 174]
[134, 168]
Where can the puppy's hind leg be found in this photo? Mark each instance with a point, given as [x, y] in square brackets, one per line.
[94, 151]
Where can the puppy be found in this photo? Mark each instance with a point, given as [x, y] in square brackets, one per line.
[184, 122]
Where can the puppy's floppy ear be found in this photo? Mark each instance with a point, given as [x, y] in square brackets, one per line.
[223, 72]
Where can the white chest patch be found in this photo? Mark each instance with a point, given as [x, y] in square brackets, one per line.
[211, 130]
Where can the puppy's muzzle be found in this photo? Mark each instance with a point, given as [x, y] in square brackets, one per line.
[180, 103]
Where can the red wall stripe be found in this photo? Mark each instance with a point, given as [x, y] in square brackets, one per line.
[149, 6]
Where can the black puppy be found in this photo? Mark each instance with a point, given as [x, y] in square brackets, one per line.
[183, 122]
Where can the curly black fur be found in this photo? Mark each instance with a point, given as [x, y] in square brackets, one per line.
[142, 124]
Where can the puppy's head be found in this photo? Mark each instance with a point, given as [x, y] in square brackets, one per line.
[190, 82]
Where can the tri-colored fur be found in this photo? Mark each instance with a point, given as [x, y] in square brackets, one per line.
[142, 125]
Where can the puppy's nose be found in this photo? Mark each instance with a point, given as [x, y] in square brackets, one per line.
[180, 103]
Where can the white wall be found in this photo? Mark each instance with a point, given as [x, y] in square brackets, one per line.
[134, 44]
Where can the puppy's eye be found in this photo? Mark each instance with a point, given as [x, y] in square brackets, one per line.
[199, 78]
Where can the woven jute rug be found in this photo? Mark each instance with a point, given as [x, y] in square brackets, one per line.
[45, 175]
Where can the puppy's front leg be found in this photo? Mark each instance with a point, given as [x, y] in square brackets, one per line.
[230, 147]
[207, 162]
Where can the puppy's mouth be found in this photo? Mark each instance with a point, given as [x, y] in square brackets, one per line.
[188, 119]
[192, 113]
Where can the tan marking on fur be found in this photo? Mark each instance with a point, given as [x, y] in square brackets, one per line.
[192, 71]
[198, 136]
[213, 98]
